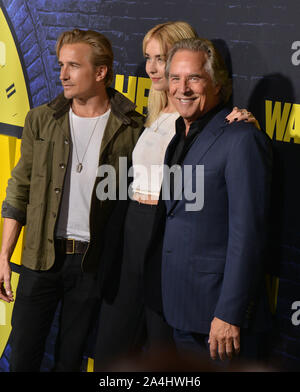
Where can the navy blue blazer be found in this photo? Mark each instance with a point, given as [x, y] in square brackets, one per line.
[213, 258]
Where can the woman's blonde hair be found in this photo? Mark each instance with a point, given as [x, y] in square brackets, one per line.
[102, 53]
[166, 34]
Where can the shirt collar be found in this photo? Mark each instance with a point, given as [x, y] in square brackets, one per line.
[198, 124]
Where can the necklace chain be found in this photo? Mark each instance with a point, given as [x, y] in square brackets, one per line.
[79, 165]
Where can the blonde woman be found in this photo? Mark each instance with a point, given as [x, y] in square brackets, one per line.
[126, 322]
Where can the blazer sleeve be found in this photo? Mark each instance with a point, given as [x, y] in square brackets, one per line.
[248, 181]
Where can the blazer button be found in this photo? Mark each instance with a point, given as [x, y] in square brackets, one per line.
[57, 190]
[66, 141]
[62, 166]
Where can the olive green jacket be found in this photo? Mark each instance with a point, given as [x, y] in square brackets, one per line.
[34, 190]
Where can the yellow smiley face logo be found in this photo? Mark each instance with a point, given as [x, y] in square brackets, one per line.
[14, 105]
[14, 101]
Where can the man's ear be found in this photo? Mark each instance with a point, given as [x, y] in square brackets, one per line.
[217, 89]
[101, 72]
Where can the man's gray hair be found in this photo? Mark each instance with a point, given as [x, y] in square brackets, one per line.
[215, 65]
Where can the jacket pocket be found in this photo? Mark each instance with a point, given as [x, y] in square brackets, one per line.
[208, 265]
[42, 158]
[33, 225]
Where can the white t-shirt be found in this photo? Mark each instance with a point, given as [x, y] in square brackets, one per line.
[73, 220]
[149, 153]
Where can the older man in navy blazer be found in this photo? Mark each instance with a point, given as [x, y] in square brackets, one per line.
[213, 247]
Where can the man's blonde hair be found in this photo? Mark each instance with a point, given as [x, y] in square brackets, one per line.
[102, 53]
[166, 34]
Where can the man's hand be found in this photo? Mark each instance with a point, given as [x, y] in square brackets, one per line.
[5, 287]
[224, 338]
[10, 235]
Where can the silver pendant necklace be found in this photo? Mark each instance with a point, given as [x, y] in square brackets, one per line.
[79, 165]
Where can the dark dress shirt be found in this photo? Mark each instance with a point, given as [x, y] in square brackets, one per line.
[184, 142]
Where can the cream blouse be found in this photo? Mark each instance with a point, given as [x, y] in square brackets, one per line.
[149, 153]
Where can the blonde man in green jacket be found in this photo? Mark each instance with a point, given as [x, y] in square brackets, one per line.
[53, 191]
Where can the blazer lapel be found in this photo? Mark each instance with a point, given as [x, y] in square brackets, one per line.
[198, 149]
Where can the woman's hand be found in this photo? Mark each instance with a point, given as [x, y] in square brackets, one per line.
[242, 115]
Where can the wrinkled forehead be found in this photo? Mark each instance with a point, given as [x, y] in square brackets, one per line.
[188, 60]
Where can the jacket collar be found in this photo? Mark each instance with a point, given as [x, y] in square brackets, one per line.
[120, 105]
[203, 142]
